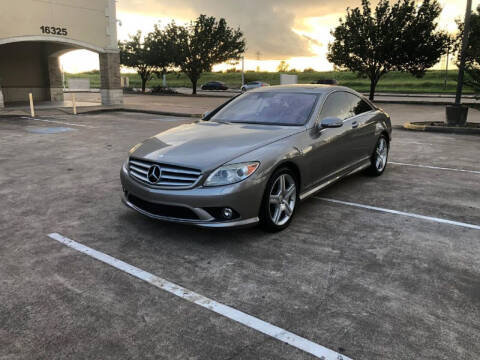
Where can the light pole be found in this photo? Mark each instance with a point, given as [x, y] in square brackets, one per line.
[461, 70]
[446, 68]
[243, 70]
[457, 114]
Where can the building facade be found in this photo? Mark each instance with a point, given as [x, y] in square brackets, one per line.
[35, 33]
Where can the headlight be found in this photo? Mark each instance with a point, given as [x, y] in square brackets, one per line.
[230, 174]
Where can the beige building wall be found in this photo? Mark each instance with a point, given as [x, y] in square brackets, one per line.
[34, 33]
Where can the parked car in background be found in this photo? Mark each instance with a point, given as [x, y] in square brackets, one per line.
[255, 157]
[253, 85]
[325, 82]
[215, 85]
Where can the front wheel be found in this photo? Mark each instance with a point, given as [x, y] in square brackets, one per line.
[380, 157]
[280, 199]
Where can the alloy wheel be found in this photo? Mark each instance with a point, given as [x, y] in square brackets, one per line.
[381, 153]
[282, 199]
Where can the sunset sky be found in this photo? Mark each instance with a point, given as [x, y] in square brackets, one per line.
[297, 31]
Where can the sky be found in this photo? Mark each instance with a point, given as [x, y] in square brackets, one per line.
[297, 31]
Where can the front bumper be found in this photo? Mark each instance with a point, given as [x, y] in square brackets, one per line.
[244, 198]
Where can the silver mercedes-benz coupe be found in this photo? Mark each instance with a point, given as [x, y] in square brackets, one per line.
[254, 158]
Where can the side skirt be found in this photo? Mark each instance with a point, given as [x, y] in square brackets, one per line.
[365, 164]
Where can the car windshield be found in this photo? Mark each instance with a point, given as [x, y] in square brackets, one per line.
[276, 108]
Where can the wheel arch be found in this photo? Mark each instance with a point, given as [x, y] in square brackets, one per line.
[387, 135]
[294, 168]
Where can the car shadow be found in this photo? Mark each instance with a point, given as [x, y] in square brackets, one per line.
[153, 230]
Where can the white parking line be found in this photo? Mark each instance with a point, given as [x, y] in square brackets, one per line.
[224, 310]
[58, 122]
[396, 212]
[170, 119]
[411, 143]
[434, 167]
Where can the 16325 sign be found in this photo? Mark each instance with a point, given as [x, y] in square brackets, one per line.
[53, 30]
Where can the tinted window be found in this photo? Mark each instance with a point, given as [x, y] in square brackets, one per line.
[279, 108]
[336, 105]
[343, 105]
[359, 106]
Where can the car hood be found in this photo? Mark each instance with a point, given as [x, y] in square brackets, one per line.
[207, 145]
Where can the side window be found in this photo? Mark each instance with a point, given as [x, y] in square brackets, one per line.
[336, 105]
[363, 107]
[359, 106]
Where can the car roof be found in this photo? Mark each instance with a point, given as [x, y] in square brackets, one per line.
[305, 88]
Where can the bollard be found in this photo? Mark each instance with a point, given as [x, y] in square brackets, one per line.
[32, 109]
[74, 104]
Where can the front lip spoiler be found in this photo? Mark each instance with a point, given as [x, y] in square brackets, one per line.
[201, 223]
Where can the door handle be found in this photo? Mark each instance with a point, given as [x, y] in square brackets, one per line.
[355, 124]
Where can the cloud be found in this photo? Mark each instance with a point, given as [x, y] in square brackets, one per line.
[267, 24]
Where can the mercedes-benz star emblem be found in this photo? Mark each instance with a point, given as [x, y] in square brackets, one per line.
[154, 174]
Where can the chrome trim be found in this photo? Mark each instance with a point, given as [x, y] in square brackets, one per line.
[326, 183]
[137, 169]
[171, 178]
[201, 223]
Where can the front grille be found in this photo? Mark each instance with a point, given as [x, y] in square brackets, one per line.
[171, 176]
[170, 211]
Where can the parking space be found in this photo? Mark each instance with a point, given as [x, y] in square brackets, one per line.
[365, 282]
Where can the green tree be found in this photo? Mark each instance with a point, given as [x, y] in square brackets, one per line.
[472, 53]
[161, 49]
[282, 66]
[397, 37]
[202, 44]
[135, 54]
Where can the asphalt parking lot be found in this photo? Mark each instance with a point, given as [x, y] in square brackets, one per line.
[374, 268]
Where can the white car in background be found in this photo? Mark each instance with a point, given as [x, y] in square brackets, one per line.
[253, 85]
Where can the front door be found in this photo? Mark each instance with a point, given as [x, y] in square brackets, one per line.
[330, 148]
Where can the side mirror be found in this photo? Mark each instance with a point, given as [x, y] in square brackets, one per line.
[206, 115]
[331, 122]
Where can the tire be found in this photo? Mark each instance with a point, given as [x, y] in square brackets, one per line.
[278, 206]
[379, 157]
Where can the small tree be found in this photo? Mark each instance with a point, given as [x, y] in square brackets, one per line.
[161, 48]
[282, 66]
[399, 37]
[135, 54]
[472, 53]
[202, 44]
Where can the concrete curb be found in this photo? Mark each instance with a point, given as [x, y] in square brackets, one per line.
[82, 111]
[440, 129]
[413, 102]
[143, 111]
[445, 100]
[189, 95]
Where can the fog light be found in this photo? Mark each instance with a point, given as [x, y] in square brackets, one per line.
[227, 213]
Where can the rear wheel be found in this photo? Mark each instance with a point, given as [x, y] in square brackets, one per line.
[279, 201]
[380, 157]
